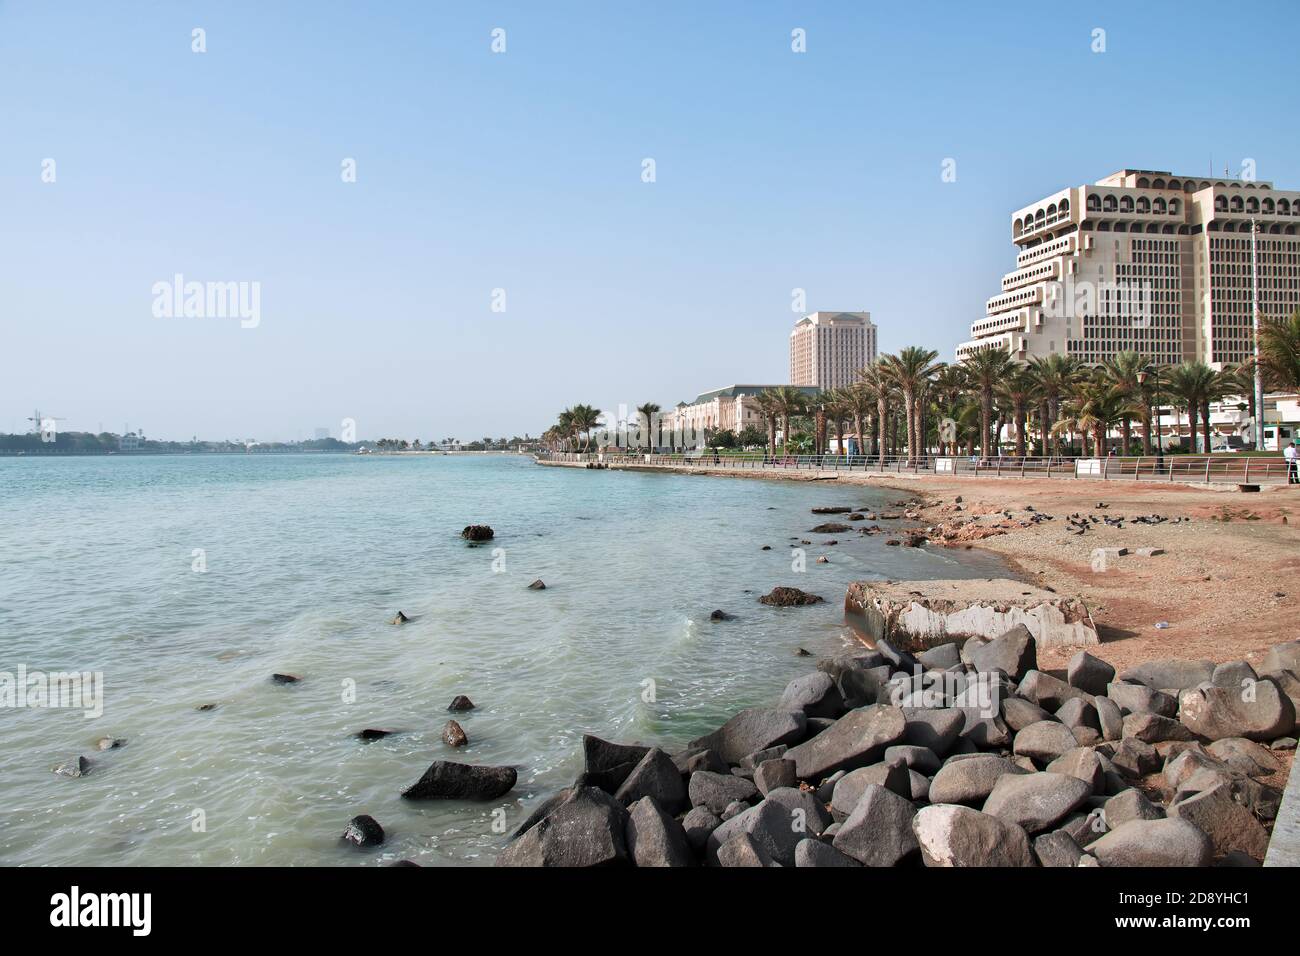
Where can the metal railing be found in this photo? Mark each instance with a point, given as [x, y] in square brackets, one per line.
[1228, 469]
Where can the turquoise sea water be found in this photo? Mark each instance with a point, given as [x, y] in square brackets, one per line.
[307, 560]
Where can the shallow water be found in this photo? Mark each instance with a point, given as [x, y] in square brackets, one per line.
[307, 559]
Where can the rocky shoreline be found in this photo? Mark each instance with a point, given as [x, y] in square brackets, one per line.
[965, 754]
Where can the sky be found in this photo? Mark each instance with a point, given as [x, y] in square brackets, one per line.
[500, 254]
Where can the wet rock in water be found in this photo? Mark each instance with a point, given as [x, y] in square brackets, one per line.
[587, 828]
[766, 547]
[835, 510]
[460, 702]
[830, 527]
[76, 767]
[1154, 843]
[447, 780]
[754, 729]
[204, 708]
[364, 830]
[654, 838]
[453, 734]
[109, 743]
[789, 597]
[802, 652]
[720, 615]
[477, 532]
[1259, 712]
[823, 560]
[953, 836]
[400, 619]
[538, 585]
[373, 733]
[285, 678]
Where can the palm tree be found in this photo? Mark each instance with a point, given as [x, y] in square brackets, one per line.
[837, 406]
[984, 371]
[1056, 375]
[769, 406]
[1279, 353]
[1194, 385]
[1121, 371]
[1092, 407]
[792, 402]
[860, 405]
[879, 384]
[648, 411]
[909, 371]
[1019, 389]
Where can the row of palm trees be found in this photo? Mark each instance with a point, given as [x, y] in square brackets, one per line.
[910, 400]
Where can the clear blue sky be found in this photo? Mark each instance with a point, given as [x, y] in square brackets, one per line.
[522, 171]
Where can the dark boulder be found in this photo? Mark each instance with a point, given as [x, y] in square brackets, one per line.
[459, 703]
[1015, 654]
[754, 729]
[654, 776]
[477, 532]
[587, 828]
[446, 780]
[76, 767]
[538, 585]
[373, 733]
[400, 618]
[364, 830]
[606, 765]
[285, 678]
[855, 740]
[789, 597]
[654, 838]
[717, 791]
[453, 734]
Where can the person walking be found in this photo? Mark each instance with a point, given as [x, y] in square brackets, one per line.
[1292, 477]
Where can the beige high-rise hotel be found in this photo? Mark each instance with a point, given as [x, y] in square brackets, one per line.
[828, 348]
[1148, 261]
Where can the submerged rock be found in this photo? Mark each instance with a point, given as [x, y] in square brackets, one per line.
[285, 678]
[446, 780]
[109, 743]
[789, 597]
[76, 767]
[477, 532]
[373, 733]
[400, 619]
[460, 702]
[453, 734]
[538, 585]
[364, 830]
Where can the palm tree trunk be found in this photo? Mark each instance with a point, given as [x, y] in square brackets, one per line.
[1146, 429]
[1021, 424]
[909, 414]
[881, 411]
[1205, 424]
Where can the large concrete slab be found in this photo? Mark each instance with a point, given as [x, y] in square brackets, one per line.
[921, 614]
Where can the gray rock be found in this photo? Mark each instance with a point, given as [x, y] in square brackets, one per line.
[754, 729]
[916, 758]
[698, 825]
[1135, 758]
[1057, 849]
[815, 694]
[969, 780]
[892, 776]
[803, 806]
[1015, 654]
[969, 648]
[1284, 743]
[986, 733]
[1259, 712]
[587, 829]
[447, 780]
[879, 830]
[857, 739]
[920, 787]
[941, 657]
[751, 761]
[1282, 657]
[1082, 763]
[1110, 717]
[1229, 825]
[775, 773]
[1036, 801]
[716, 790]
[1088, 673]
[936, 729]
[654, 838]
[952, 836]
[655, 776]
[774, 825]
[76, 767]
[1130, 804]
[1233, 674]
[860, 686]
[607, 764]
[816, 853]
[1047, 691]
[1139, 699]
[363, 831]
[1044, 741]
[1154, 729]
[1153, 843]
[1169, 674]
[1245, 756]
[1019, 713]
[1190, 762]
[1079, 713]
[743, 850]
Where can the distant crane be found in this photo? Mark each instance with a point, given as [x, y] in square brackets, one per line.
[38, 422]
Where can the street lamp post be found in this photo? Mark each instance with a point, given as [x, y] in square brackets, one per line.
[1155, 385]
